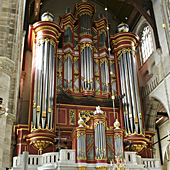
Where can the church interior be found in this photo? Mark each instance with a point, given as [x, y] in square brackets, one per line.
[85, 84]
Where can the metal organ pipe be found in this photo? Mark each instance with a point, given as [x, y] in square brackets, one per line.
[85, 68]
[52, 86]
[137, 93]
[132, 87]
[122, 81]
[88, 76]
[128, 90]
[40, 78]
[82, 71]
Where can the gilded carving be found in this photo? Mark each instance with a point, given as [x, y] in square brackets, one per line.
[124, 51]
[67, 26]
[101, 31]
[98, 122]
[85, 115]
[85, 45]
[97, 61]
[68, 55]
[76, 47]
[72, 114]
[97, 73]
[42, 40]
[81, 134]
[103, 60]
[60, 57]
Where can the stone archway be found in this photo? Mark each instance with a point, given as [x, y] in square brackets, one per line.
[166, 165]
[150, 107]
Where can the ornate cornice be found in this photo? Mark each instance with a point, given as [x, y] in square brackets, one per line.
[7, 66]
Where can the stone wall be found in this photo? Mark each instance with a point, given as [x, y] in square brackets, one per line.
[11, 43]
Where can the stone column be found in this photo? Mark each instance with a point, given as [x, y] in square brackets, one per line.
[6, 121]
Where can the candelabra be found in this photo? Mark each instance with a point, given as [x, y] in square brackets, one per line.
[120, 164]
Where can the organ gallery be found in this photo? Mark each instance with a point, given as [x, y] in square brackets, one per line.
[84, 89]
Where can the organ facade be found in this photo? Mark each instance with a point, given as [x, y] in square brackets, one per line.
[77, 66]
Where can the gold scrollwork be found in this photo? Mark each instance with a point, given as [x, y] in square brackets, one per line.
[112, 62]
[95, 50]
[75, 71]
[76, 38]
[95, 37]
[72, 114]
[81, 134]
[75, 89]
[60, 57]
[124, 51]
[101, 31]
[85, 114]
[76, 77]
[75, 59]
[87, 13]
[98, 122]
[97, 79]
[68, 26]
[95, 41]
[85, 33]
[113, 80]
[97, 73]
[60, 69]
[97, 61]
[117, 136]
[98, 92]
[75, 34]
[85, 45]
[42, 40]
[68, 55]
[103, 60]
[76, 47]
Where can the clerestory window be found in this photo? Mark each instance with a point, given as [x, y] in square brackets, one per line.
[146, 47]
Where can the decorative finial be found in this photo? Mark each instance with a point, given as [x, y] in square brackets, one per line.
[122, 27]
[47, 17]
[98, 110]
[81, 122]
[117, 124]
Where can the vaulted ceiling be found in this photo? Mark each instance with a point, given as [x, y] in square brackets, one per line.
[128, 11]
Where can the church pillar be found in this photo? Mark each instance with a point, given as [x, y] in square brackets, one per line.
[6, 120]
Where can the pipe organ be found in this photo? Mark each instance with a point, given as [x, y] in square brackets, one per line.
[76, 66]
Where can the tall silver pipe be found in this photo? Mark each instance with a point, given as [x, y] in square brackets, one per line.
[40, 84]
[98, 136]
[124, 84]
[82, 71]
[88, 73]
[136, 89]
[132, 87]
[122, 81]
[96, 141]
[101, 139]
[104, 142]
[77, 147]
[85, 68]
[91, 69]
[49, 85]
[126, 75]
[106, 80]
[52, 85]
[45, 79]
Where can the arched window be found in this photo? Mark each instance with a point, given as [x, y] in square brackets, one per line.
[146, 47]
[168, 9]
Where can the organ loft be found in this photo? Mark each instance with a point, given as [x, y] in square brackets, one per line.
[84, 90]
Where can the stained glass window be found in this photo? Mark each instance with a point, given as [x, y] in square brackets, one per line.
[146, 44]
